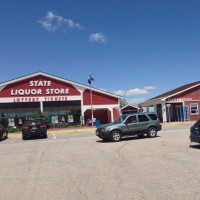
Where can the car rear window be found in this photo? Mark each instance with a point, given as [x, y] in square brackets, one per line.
[30, 122]
[153, 116]
[142, 118]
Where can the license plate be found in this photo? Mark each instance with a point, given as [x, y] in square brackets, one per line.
[196, 131]
[34, 128]
[97, 133]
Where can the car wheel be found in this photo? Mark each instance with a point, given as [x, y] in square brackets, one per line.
[45, 135]
[1, 137]
[6, 134]
[115, 136]
[23, 137]
[152, 132]
[141, 135]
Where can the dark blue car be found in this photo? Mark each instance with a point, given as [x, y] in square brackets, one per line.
[3, 133]
[195, 132]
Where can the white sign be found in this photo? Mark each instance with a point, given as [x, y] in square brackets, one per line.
[180, 99]
[38, 99]
[52, 91]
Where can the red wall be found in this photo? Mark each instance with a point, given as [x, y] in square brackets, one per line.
[98, 99]
[115, 114]
[25, 84]
[193, 93]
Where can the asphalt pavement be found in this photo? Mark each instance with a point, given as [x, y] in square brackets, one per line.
[81, 166]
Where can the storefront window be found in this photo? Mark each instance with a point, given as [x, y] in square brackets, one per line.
[54, 119]
[11, 122]
[62, 112]
[194, 109]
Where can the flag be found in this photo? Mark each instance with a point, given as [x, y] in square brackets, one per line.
[90, 79]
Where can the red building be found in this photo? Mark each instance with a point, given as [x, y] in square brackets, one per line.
[128, 109]
[63, 100]
[180, 104]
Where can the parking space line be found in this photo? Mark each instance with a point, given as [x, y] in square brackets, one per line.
[54, 136]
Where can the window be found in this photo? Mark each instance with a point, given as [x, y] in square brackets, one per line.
[120, 119]
[131, 119]
[142, 118]
[152, 116]
[194, 109]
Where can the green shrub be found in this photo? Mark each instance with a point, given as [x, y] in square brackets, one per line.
[13, 130]
[46, 118]
[62, 126]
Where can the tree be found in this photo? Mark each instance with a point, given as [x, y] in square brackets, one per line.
[123, 103]
[46, 118]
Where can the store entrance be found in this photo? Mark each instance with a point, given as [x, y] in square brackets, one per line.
[103, 115]
[181, 113]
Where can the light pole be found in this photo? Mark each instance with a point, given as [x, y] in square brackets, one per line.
[125, 95]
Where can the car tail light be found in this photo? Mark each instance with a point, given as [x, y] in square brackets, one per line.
[25, 127]
[159, 121]
[42, 125]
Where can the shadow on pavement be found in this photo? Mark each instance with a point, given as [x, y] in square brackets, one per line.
[127, 138]
[195, 146]
[35, 138]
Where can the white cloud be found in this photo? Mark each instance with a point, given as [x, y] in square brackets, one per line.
[149, 88]
[135, 101]
[53, 22]
[97, 37]
[131, 92]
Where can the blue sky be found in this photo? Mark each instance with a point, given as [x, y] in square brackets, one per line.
[140, 48]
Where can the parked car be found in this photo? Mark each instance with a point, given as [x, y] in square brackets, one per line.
[135, 124]
[34, 127]
[3, 133]
[195, 132]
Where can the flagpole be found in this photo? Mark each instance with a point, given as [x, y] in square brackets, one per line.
[91, 101]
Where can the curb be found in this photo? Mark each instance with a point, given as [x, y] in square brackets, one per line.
[177, 123]
[72, 131]
[10, 135]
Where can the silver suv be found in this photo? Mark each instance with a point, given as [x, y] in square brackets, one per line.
[127, 125]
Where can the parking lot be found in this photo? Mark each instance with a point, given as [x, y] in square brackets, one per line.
[81, 166]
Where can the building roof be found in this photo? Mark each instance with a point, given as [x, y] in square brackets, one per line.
[129, 105]
[2, 85]
[176, 91]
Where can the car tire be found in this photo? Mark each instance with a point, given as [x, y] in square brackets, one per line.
[6, 134]
[115, 136]
[152, 132]
[45, 135]
[1, 137]
[140, 136]
[23, 137]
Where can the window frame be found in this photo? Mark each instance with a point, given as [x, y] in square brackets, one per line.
[197, 109]
[131, 117]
